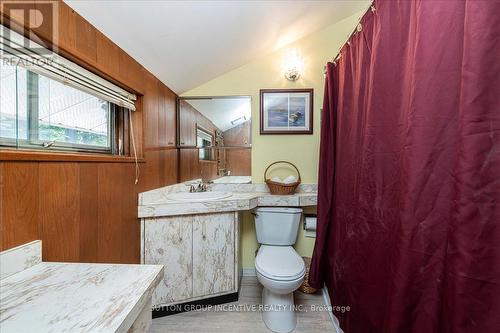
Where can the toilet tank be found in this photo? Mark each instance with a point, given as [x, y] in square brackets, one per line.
[277, 225]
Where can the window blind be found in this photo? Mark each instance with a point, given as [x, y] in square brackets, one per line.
[13, 48]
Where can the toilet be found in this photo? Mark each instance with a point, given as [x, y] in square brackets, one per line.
[279, 268]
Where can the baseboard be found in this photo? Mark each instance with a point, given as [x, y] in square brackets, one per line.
[334, 320]
[168, 310]
[248, 272]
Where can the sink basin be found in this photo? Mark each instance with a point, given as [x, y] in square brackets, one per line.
[198, 196]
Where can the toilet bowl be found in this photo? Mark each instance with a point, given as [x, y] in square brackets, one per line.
[281, 271]
[279, 268]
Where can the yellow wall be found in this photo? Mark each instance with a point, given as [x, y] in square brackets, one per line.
[302, 150]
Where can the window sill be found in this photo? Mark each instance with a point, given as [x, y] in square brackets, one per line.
[30, 155]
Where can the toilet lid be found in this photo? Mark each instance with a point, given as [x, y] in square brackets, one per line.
[279, 262]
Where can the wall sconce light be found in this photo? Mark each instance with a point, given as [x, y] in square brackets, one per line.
[293, 66]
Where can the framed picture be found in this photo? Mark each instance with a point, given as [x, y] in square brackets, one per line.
[286, 111]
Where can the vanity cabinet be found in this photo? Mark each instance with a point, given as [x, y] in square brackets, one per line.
[199, 254]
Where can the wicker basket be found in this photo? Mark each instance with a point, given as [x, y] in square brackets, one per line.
[280, 188]
[305, 287]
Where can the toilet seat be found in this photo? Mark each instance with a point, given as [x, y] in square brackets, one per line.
[280, 263]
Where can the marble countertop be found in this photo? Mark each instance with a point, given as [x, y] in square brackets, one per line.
[75, 297]
[155, 203]
[233, 180]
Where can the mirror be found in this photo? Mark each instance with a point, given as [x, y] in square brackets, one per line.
[214, 139]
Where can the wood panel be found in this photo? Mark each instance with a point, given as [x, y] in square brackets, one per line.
[189, 164]
[85, 208]
[166, 117]
[189, 119]
[168, 162]
[19, 203]
[59, 210]
[131, 72]
[204, 122]
[43, 32]
[67, 28]
[239, 135]
[187, 125]
[239, 161]
[208, 170]
[118, 227]
[107, 55]
[150, 105]
[85, 41]
[150, 172]
[190, 167]
[89, 211]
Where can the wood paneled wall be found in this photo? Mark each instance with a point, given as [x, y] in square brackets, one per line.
[190, 167]
[189, 164]
[190, 120]
[239, 135]
[239, 161]
[86, 210]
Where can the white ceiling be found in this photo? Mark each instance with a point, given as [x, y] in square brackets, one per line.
[221, 111]
[187, 43]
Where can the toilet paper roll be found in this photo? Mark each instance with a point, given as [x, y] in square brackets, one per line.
[310, 227]
[310, 224]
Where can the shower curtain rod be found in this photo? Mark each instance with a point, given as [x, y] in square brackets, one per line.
[356, 29]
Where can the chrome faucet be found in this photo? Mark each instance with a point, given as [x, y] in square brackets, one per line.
[202, 187]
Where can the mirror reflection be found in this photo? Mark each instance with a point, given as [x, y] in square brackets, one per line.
[214, 136]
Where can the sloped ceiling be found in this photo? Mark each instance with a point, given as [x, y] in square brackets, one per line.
[187, 43]
[224, 111]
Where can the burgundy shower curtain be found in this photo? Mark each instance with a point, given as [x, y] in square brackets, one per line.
[409, 179]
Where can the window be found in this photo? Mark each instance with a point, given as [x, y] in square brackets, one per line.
[49, 102]
[39, 112]
[204, 143]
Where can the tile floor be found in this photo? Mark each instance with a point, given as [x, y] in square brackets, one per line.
[245, 321]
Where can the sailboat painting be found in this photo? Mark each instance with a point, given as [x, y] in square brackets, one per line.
[286, 111]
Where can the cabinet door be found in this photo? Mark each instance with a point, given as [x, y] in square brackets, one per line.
[213, 254]
[168, 242]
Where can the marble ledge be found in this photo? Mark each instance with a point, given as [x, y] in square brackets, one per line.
[239, 201]
[159, 195]
[20, 258]
[68, 297]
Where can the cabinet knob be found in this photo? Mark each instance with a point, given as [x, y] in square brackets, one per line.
[204, 237]
[182, 143]
[180, 239]
[170, 143]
